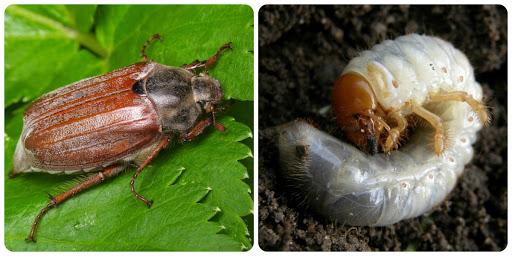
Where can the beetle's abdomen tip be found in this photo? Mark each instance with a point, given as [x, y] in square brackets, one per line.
[21, 161]
[12, 174]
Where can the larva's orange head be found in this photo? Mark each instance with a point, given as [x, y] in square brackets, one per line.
[354, 105]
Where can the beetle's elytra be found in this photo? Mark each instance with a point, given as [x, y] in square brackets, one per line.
[104, 123]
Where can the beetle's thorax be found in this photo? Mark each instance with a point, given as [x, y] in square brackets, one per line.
[169, 89]
[179, 96]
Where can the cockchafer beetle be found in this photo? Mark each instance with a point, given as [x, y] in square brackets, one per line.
[104, 123]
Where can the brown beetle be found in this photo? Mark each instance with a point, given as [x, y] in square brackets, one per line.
[102, 124]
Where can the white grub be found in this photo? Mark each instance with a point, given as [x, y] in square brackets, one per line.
[351, 187]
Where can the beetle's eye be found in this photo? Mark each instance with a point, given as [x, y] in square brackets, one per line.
[138, 87]
[202, 103]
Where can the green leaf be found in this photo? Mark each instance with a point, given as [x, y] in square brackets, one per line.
[83, 16]
[223, 178]
[38, 49]
[186, 187]
[200, 189]
[189, 33]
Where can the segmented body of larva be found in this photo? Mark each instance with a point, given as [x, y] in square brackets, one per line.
[381, 88]
[346, 185]
[413, 67]
[413, 75]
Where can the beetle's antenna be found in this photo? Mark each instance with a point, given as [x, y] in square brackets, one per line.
[148, 42]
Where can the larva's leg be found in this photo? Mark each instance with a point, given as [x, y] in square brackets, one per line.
[97, 178]
[380, 122]
[436, 122]
[394, 134]
[477, 106]
[163, 143]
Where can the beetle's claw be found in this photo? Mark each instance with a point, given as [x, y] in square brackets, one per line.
[30, 240]
[220, 127]
[149, 203]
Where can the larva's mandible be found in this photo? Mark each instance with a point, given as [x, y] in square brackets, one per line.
[413, 74]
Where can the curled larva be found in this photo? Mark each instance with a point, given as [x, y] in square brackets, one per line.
[381, 89]
[412, 75]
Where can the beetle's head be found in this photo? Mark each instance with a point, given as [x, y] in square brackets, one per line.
[207, 92]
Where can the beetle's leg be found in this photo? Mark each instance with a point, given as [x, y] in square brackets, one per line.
[394, 133]
[206, 64]
[192, 66]
[213, 59]
[477, 106]
[437, 123]
[199, 128]
[146, 44]
[163, 143]
[97, 178]
[217, 126]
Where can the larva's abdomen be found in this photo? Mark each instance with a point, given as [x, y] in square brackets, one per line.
[343, 184]
[349, 186]
[414, 67]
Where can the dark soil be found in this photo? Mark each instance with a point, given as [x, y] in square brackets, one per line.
[302, 51]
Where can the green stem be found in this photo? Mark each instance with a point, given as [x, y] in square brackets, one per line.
[90, 42]
[85, 39]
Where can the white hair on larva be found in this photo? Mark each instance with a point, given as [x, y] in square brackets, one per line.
[344, 184]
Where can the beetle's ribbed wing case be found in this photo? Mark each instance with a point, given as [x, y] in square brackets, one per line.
[90, 123]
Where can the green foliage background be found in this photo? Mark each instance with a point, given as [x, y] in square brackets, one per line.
[202, 190]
